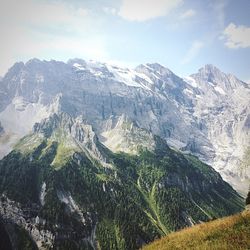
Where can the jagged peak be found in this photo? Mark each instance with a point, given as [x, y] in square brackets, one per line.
[39, 62]
[67, 126]
[217, 80]
[33, 61]
[155, 68]
[54, 121]
[126, 135]
[210, 69]
[211, 74]
[155, 65]
[72, 137]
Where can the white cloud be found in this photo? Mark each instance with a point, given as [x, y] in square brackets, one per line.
[187, 14]
[236, 36]
[193, 51]
[142, 10]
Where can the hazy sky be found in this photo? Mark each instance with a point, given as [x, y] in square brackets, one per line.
[183, 35]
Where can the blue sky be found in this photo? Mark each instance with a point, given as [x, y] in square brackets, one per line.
[182, 35]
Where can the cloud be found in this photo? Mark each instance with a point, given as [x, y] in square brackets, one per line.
[192, 52]
[47, 30]
[187, 14]
[40, 12]
[236, 36]
[142, 10]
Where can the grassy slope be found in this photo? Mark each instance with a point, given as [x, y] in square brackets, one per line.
[231, 232]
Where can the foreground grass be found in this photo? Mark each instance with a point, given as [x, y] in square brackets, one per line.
[227, 233]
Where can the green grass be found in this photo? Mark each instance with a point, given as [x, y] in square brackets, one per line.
[103, 177]
[28, 143]
[153, 212]
[65, 149]
[62, 155]
[229, 233]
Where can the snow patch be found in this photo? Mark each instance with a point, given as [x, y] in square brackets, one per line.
[188, 91]
[211, 84]
[124, 75]
[191, 81]
[128, 76]
[78, 66]
[144, 77]
[198, 97]
[219, 90]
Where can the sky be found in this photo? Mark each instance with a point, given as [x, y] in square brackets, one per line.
[182, 35]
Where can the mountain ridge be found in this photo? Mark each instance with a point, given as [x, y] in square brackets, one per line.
[203, 117]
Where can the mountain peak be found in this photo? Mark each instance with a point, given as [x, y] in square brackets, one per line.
[159, 68]
[213, 75]
[155, 68]
[76, 61]
[210, 69]
[33, 60]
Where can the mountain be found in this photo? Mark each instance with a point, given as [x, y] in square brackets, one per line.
[227, 233]
[206, 114]
[99, 156]
[224, 114]
[62, 188]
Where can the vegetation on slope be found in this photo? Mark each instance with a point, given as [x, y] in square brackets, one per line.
[228, 233]
[140, 198]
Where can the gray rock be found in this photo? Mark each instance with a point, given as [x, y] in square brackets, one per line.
[206, 114]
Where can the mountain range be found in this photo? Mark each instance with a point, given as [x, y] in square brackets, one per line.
[206, 114]
[96, 156]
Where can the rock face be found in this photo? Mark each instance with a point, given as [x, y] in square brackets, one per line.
[207, 113]
[12, 212]
[64, 189]
[223, 112]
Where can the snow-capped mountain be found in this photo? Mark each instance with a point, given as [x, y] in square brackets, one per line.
[207, 113]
